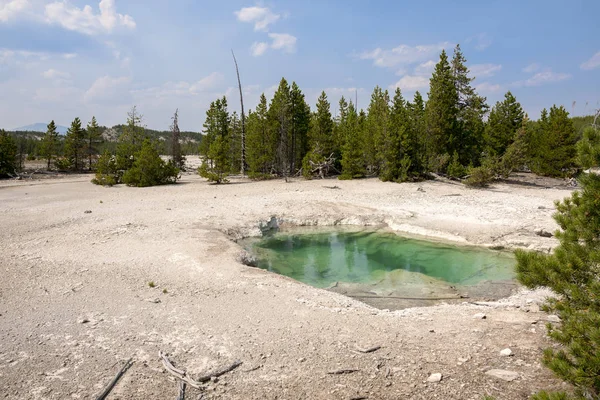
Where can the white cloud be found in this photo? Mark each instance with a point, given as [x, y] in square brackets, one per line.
[206, 83]
[482, 41]
[411, 83]
[85, 20]
[11, 8]
[542, 78]
[403, 54]
[105, 87]
[486, 87]
[484, 70]
[262, 17]
[54, 74]
[258, 48]
[531, 68]
[283, 41]
[425, 68]
[69, 56]
[182, 88]
[592, 63]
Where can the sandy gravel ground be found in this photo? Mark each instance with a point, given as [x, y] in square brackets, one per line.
[75, 302]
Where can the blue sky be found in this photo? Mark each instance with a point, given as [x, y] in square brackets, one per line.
[78, 58]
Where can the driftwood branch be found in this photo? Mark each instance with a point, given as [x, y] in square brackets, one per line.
[112, 383]
[343, 371]
[195, 383]
[368, 350]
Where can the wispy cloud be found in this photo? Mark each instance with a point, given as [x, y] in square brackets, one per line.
[11, 9]
[531, 68]
[484, 70]
[403, 54]
[262, 17]
[542, 78]
[283, 41]
[105, 87]
[487, 87]
[481, 41]
[259, 48]
[85, 20]
[412, 83]
[54, 74]
[592, 63]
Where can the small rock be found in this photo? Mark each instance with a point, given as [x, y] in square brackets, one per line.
[543, 233]
[553, 318]
[433, 378]
[155, 301]
[302, 359]
[506, 352]
[431, 331]
[420, 189]
[479, 316]
[503, 374]
[87, 212]
[463, 360]
[83, 321]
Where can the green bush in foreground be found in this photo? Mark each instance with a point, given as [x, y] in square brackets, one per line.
[8, 155]
[106, 170]
[149, 169]
[573, 273]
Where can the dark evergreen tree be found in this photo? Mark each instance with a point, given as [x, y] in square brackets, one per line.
[505, 119]
[176, 155]
[417, 135]
[588, 148]
[130, 141]
[441, 115]
[377, 125]
[396, 146]
[93, 138]
[75, 146]
[8, 155]
[261, 144]
[353, 161]
[216, 144]
[321, 139]
[49, 145]
[572, 273]
[553, 144]
[149, 169]
[300, 126]
[280, 121]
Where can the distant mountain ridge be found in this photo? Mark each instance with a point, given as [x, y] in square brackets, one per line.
[40, 127]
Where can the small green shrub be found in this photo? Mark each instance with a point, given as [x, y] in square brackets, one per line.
[455, 168]
[152, 284]
[149, 169]
[106, 170]
[479, 177]
[63, 164]
[30, 157]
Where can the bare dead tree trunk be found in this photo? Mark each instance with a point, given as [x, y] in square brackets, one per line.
[175, 146]
[243, 169]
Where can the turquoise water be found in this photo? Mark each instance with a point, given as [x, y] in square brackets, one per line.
[321, 259]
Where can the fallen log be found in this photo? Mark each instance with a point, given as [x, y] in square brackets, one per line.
[114, 381]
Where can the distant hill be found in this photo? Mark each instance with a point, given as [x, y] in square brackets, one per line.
[40, 127]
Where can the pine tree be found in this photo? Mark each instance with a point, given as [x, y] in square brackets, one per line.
[8, 155]
[260, 142]
[93, 137]
[321, 139]
[417, 132]
[505, 119]
[217, 162]
[280, 121]
[300, 126]
[149, 169]
[176, 156]
[441, 115]
[49, 145]
[396, 146]
[471, 108]
[235, 142]
[75, 145]
[554, 142]
[353, 165]
[131, 140]
[572, 273]
[377, 127]
[588, 148]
